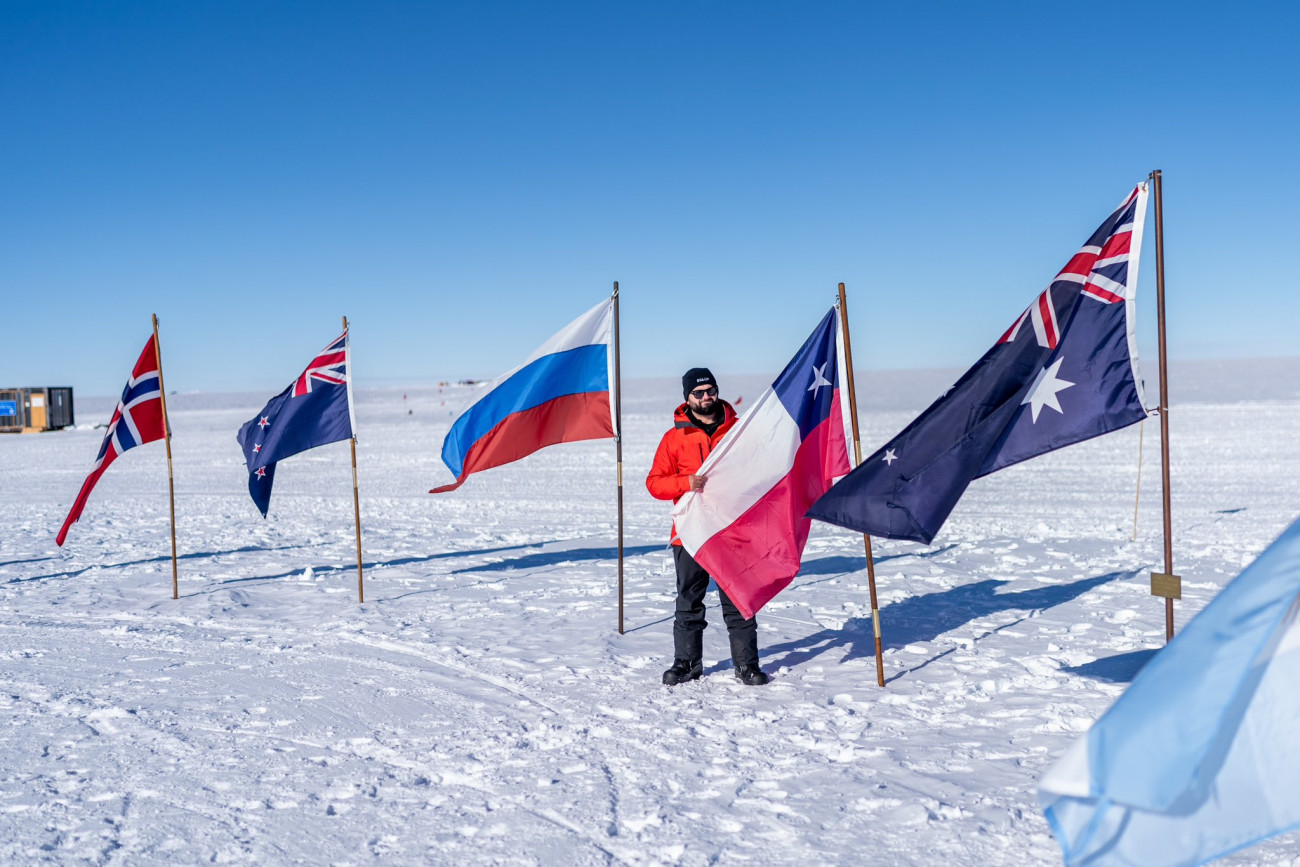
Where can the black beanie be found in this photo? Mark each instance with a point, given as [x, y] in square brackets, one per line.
[694, 378]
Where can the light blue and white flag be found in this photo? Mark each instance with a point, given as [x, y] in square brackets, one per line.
[1201, 755]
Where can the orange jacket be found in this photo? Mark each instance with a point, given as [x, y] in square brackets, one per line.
[680, 454]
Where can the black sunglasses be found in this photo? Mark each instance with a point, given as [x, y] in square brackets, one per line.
[702, 392]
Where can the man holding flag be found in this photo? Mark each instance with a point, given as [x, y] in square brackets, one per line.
[698, 425]
[746, 528]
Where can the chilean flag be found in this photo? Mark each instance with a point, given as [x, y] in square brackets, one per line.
[747, 527]
[559, 395]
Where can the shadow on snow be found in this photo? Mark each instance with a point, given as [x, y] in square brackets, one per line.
[165, 558]
[527, 561]
[556, 558]
[842, 564]
[1120, 668]
[375, 564]
[922, 619]
[28, 560]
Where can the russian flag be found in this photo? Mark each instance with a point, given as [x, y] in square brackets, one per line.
[747, 527]
[559, 395]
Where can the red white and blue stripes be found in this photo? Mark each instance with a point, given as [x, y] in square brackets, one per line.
[560, 394]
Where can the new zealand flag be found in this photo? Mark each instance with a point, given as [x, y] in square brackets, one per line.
[1062, 373]
[315, 410]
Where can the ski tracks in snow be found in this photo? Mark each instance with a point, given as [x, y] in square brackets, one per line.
[481, 707]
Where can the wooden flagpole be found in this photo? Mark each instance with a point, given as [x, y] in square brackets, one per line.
[618, 449]
[857, 459]
[1165, 584]
[356, 496]
[167, 438]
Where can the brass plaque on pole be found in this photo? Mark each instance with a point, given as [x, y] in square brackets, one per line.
[1168, 586]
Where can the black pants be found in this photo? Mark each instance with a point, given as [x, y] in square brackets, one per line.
[688, 626]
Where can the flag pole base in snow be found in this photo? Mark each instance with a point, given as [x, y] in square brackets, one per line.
[1166, 586]
[843, 304]
[167, 439]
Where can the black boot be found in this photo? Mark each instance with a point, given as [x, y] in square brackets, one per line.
[749, 675]
[682, 671]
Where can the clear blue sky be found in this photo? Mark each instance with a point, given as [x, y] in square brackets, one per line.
[461, 179]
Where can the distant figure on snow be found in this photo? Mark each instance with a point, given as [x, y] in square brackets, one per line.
[698, 425]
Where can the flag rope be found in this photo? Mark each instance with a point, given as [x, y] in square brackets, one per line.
[1137, 496]
[356, 495]
[1169, 585]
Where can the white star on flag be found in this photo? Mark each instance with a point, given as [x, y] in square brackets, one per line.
[264, 422]
[1043, 392]
[889, 457]
[261, 471]
[257, 447]
[819, 379]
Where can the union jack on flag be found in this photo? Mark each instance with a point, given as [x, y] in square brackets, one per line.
[137, 419]
[315, 409]
[330, 366]
[1069, 376]
[1099, 270]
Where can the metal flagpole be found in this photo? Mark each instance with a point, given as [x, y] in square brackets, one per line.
[1165, 584]
[167, 438]
[618, 448]
[356, 497]
[857, 459]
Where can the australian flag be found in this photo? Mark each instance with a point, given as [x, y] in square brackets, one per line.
[315, 410]
[1062, 373]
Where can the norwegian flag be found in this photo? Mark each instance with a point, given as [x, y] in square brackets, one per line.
[137, 419]
[316, 409]
[1065, 371]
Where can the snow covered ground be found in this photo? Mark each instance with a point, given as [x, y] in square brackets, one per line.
[481, 706]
